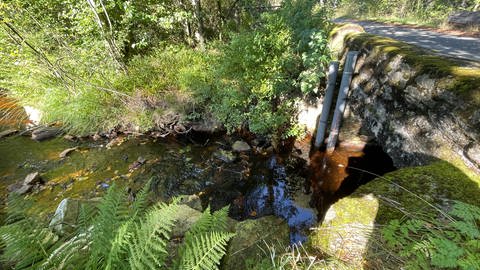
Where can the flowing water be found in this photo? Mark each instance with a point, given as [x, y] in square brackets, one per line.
[254, 184]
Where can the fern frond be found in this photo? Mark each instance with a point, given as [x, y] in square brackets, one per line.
[70, 254]
[86, 216]
[219, 220]
[203, 224]
[141, 200]
[147, 246]
[205, 251]
[119, 248]
[26, 243]
[112, 211]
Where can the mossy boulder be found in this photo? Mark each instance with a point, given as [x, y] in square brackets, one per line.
[250, 242]
[346, 230]
[350, 230]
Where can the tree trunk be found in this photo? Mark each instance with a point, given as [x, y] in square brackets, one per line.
[199, 33]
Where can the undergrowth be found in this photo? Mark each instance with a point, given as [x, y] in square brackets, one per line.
[118, 235]
[449, 241]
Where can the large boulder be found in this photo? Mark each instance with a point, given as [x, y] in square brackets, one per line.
[464, 19]
[251, 240]
[351, 230]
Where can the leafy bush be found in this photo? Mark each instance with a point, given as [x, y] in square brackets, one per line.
[117, 236]
[451, 241]
[262, 73]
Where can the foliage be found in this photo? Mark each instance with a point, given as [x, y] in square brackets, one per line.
[116, 234]
[262, 73]
[452, 241]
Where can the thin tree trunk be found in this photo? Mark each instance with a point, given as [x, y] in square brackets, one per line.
[199, 33]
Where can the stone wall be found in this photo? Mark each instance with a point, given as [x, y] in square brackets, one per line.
[418, 106]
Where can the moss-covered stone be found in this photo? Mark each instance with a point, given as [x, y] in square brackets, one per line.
[350, 223]
[346, 230]
[417, 189]
[251, 240]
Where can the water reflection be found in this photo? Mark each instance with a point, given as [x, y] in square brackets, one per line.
[271, 196]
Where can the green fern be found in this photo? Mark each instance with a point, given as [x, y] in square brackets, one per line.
[205, 251]
[150, 236]
[112, 212]
[115, 237]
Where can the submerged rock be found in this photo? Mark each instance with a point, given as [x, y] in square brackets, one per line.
[45, 133]
[7, 133]
[252, 238]
[32, 179]
[19, 188]
[240, 146]
[225, 156]
[66, 152]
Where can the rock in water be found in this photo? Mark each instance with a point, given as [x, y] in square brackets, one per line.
[32, 179]
[240, 146]
[66, 215]
[250, 239]
[225, 156]
[45, 133]
[19, 189]
[192, 201]
[66, 152]
[7, 133]
[185, 218]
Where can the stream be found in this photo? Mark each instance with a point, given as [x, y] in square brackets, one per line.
[254, 184]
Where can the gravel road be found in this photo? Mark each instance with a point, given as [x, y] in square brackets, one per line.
[466, 48]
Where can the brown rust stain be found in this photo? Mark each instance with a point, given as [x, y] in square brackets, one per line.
[11, 115]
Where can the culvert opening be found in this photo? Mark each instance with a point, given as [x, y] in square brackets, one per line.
[337, 175]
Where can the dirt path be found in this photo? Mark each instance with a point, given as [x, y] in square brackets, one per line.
[467, 48]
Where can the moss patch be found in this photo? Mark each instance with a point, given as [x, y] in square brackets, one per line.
[411, 190]
[351, 222]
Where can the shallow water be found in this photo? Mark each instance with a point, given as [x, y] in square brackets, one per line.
[252, 185]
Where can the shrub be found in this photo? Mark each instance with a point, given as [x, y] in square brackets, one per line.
[263, 73]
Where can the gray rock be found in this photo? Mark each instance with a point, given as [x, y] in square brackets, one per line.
[32, 179]
[19, 188]
[45, 133]
[186, 217]
[464, 18]
[7, 133]
[192, 201]
[225, 156]
[251, 239]
[66, 152]
[207, 126]
[240, 146]
[66, 216]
